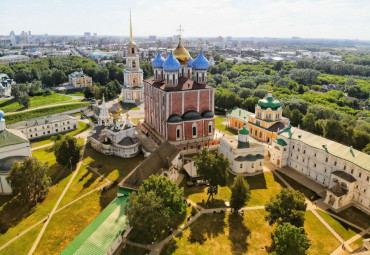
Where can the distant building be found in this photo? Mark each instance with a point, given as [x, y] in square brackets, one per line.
[152, 38]
[245, 155]
[79, 79]
[46, 126]
[5, 85]
[14, 146]
[6, 60]
[329, 87]
[344, 171]
[114, 136]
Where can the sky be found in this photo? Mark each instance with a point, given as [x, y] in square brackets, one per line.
[333, 19]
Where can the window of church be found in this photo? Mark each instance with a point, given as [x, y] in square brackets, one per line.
[210, 128]
[194, 130]
[241, 165]
[178, 133]
[252, 165]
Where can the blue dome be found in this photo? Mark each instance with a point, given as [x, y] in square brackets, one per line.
[190, 62]
[171, 64]
[158, 61]
[200, 63]
[1, 114]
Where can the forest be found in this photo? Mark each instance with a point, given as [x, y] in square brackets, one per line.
[339, 114]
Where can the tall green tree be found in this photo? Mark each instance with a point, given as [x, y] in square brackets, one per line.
[296, 117]
[290, 240]
[29, 180]
[308, 122]
[287, 206]
[213, 168]
[67, 150]
[24, 101]
[159, 199]
[240, 193]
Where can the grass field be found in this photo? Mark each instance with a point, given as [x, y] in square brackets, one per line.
[82, 127]
[16, 117]
[10, 105]
[359, 242]
[344, 230]
[355, 216]
[262, 187]
[322, 241]
[129, 106]
[112, 167]
[222, 127]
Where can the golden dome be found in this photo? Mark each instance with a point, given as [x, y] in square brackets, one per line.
[181, 54]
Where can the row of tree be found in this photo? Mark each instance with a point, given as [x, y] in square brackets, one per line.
[111, 90]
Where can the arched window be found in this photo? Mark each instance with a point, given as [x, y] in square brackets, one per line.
[178, 133]
[132, 50]
[134, 64]
[195, 130]
[210, 128]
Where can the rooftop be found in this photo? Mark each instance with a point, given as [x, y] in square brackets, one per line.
[40, 121]
[240, 114]
[233, 142]
[11, 137]
[99, 235]
[344, 176]
[183, 84]
[336, 149]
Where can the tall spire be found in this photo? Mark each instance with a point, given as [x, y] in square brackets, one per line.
[131, 39]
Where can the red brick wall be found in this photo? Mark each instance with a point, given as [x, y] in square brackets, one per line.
[176, 103]
[204, 101]
[171, 128]
[191, 101]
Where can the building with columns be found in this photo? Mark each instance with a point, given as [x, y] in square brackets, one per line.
[132, 89]
[14, 146]
[179, 105]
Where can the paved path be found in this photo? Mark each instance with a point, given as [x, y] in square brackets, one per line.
[37, 241]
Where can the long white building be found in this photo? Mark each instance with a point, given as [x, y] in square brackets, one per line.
[344, 171]
[46, 126]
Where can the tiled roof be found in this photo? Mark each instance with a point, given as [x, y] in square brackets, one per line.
[99, 235]
[240, 114]
[336, 149]
[11, 137]
[183, 84]
[40, 121]
[344, 176]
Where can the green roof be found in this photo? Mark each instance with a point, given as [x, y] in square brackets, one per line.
[281, 142]
[99, 235]
[240, 114]
[244, 131]
[11, 137]
[269, 102]
[342, 151]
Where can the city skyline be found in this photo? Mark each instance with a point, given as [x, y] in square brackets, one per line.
[327, 19]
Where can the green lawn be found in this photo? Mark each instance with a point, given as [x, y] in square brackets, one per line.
[129, 106]
[358, 243]
[133, 250]
[223, 234]
[82, 127]
[222, 127]
[16, 117]
[355, 216]
[344, 230]
[10, 105]
[262, 186]
[321, 240]
[112, 167]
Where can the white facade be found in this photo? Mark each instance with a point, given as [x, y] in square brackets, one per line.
[245, 157]
[5, 85]
[327, 163]
[46, 126]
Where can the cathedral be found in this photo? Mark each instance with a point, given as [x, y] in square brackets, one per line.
[132, 89]
[179, 105]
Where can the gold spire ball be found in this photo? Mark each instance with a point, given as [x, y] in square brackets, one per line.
[180, 53]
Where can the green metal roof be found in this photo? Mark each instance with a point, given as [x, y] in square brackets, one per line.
[281, 142]
[269, 102]
[99, 235]
[244, 131]
[339, 150]
[11, 136]
[240, 114]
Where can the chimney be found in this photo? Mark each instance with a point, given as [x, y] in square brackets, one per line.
[299, 126]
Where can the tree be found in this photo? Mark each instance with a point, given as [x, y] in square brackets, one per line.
[213, 168]
[240, 193]
[145, 213]
[159, 199]
[171, 194]
[278, 65]
[287, 206]
[366, 149]
[290, 240]
[334, 130]
[67, 151]
[24, 101]
[29, 180]
[88, 93]
[300, 89]
[296, 117]
[308, 122]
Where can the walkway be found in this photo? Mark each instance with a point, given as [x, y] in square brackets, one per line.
[33, 248]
